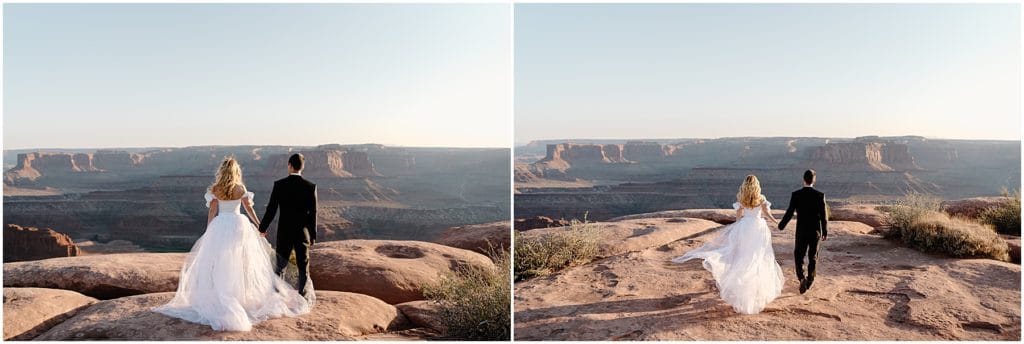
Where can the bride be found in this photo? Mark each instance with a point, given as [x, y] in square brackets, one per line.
[741, 258]
[228, 280]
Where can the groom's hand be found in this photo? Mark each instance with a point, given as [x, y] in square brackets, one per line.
[263, 234]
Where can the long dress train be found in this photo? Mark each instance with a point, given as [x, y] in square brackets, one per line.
[228, 280]
[742, 261]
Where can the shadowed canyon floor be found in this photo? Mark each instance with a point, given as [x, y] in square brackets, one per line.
[867, 289]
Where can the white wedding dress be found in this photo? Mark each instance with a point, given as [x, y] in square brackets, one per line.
[742, 261]
[228, 280]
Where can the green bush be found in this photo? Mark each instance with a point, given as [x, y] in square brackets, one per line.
[917, 223]
[1006, 218]
[475, 302]
[538, 256]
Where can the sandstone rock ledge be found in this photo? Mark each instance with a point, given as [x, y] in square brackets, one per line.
[392, 270]
[479, 237]
[355, 281]
[972, 207]
[31, 311]
[423, 313]
[336, 316]
[633, 235]
[102, 276]
[868, 288]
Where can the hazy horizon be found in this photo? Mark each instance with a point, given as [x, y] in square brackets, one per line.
[244, 144]
[175, 75]
[521, 143]
[733, 70]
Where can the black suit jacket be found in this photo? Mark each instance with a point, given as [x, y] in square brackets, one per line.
[810, 205]
[296, 197]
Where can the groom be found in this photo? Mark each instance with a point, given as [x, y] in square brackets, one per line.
[296, 230]
[813, 225]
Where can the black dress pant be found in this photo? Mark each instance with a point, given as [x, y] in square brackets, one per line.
[284, 251]
[806, 244]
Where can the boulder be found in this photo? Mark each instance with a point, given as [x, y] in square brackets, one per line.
[31, 311]
[395, 271]
[539, 222]
[633, 235]
[336, 316]
[480, 237]
[864, 213]
[101, 276]
[1013, 246]
[972, 207]
[423, 313]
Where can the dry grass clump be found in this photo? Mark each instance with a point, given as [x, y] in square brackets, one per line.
[475, 302]
[542, 255]
[1005, 218]
[917, 222]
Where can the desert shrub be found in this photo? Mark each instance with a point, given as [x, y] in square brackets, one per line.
[1005, 218]
[538, 256]
[908, 209]
[917, 223]
[474, 301]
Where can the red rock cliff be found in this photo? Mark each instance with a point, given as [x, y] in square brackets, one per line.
[34, 165]
[327, 163]
[863, 155]
[116, 160]
[30, 243]
[647, 151]
[359, 164]
[585, 153]
[84, 162]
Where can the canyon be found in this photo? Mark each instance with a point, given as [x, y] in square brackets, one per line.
[153, 197]
[603, 179]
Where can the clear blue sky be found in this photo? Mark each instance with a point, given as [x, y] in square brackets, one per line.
[691, 70]
[121, 75]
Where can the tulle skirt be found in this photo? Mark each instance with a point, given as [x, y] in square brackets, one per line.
[228, 280]
[742, 261]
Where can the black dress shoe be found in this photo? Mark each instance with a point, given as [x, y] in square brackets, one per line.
[803, 286]
[809, 281]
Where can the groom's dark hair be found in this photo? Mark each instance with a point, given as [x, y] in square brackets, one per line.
[809, 177]
[296, 161]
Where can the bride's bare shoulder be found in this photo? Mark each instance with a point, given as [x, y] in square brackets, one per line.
[237, 191]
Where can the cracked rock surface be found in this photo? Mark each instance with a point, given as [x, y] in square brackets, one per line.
[867, 288]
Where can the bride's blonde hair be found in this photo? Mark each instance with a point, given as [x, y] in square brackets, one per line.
[750, 192]
[229, 174]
